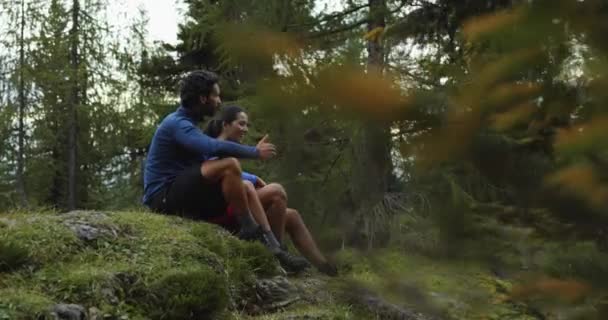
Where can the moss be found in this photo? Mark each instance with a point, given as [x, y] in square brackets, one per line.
[447, 288]
[90, 284]
[192, 293]
[13, 256]
[42, 235]
[319, 311]
[254, 255]
[19, 303]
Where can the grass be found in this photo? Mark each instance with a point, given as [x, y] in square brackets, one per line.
[446, 288]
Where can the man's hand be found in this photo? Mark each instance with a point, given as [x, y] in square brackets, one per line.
[265, 149]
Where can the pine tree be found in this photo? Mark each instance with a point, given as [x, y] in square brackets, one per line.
[49, 157]
[21, 19]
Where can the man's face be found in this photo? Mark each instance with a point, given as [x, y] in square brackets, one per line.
[211, 103]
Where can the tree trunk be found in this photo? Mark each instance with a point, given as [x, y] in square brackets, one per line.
[22, 105]
[83, 126]
[72, 108]
[372, 144]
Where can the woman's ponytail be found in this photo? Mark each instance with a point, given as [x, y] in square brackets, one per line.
[214, 128]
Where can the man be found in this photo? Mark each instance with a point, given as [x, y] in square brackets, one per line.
[180, 179]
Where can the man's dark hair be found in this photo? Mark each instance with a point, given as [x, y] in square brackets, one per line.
[195, 84]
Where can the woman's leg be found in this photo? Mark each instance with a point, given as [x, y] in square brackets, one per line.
[257, 210]
[292, 263]
[302, 239]
[274, 199]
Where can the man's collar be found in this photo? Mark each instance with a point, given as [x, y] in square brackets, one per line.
[183, 111]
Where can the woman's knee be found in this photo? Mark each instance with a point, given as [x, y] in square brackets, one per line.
[278, 192]
[249, 187]
[293, 214]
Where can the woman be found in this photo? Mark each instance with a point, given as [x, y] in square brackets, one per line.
[232, 124]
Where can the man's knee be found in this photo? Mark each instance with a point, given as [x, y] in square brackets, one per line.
[233, 165]
[230, 166]
[218, 169]
[278, 191]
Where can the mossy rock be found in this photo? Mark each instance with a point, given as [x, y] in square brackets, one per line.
[138, 265]
[44, 237]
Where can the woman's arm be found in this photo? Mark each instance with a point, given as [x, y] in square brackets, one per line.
[259, 183]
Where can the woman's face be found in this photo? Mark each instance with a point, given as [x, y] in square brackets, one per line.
[236, 130]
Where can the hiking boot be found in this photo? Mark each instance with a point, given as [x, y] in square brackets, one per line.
[265, 238]
[292, 263]
[328, 269]
[251, 234]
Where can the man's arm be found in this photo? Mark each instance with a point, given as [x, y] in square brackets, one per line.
[192, 138]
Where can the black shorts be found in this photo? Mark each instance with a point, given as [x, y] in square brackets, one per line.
[192, 196]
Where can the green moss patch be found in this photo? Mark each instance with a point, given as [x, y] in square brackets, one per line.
[20, 303]
[446, 288]
[13, 256]
[193, 293]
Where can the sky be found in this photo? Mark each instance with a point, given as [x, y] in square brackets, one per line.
[165, 15]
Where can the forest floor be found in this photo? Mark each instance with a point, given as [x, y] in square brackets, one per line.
[138, 265]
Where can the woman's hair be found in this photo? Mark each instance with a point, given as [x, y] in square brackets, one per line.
[226, 115]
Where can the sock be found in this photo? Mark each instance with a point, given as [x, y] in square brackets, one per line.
[246, 221]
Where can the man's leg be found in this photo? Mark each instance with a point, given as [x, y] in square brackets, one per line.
[227, 171]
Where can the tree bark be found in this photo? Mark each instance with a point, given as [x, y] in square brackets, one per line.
[372, 146]
[73, 108]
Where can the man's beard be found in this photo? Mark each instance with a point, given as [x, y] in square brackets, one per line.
[202, 111]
